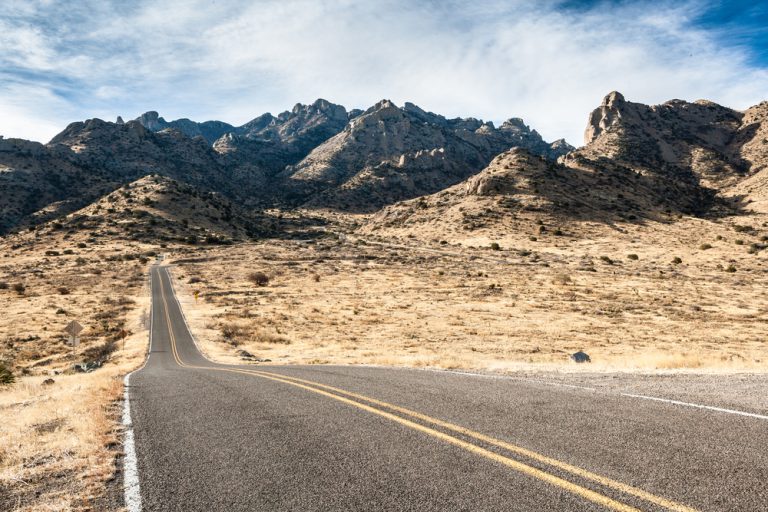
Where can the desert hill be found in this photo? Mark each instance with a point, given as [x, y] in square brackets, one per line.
[154, 210]
[639, 163]
[390, 153]
[247, 164]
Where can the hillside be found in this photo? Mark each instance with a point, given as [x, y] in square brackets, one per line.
[640, 163]
[153, 210]
[390, 153]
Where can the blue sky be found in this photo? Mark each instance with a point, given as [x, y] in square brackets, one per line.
[549, 62]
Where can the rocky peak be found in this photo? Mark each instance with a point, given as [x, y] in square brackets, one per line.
[152, 121]
[603, 118]
[119, 120]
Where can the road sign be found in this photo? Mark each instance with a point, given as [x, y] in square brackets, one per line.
[73, 328]
[123, 334]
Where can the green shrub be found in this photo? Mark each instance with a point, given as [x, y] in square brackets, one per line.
[739, 242]
[704, 247]
[495, 246]
[676, 260]
[19, 288]
[730, 268]
[634, 257]
[606, 259]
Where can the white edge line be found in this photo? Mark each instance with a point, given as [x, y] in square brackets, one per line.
[697, 406]
[131, 487]
[586, 388]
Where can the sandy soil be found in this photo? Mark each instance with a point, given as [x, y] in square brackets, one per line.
[394, 299]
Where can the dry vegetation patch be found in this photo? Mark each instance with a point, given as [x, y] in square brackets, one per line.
[632, 296]
[59, 434]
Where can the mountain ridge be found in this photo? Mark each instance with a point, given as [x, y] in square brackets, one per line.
[676, 158]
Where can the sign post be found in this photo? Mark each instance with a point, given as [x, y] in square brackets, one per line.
[123, 335]
[74, 329]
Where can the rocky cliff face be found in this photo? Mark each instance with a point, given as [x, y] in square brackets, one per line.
[389, 153]
[274, 141]
[209, 130]
[675, 137]
[639, 161]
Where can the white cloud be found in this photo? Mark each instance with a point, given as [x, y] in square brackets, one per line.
[488, 59]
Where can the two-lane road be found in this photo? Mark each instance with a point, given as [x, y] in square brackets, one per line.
[216, 437]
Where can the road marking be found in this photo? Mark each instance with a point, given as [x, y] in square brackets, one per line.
[511, 463]
[131, 486]
[627, 489]
[697, 406]
[587, 388]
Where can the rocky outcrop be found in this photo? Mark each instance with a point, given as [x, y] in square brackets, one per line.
[389, 153]
[675, 137]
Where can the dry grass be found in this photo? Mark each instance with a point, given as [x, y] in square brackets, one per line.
[60, 434]
[396, 298]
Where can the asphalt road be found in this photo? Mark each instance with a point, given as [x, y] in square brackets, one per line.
[212, 437]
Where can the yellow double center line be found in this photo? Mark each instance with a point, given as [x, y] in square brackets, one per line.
[347, 398]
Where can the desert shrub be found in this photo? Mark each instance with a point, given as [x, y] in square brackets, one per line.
[562, 279]
[4, 285]
[676, 260]
[265, 337]
[19, 288]
[81, 245]
[62, 290]
[232, 332]
[633, 257]
[558, 232]
[316, 278]
[704, 247]
[739, 242]
[730, 268]
[99, 353]
[743, 229]
[532, 238]
[258, 278]
[194, 280]
[6, 375]
[51, 253]
[69, 251]
[606, 259]
[495, 246]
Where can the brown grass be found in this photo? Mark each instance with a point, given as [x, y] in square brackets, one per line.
[415, 301]
[60, 434]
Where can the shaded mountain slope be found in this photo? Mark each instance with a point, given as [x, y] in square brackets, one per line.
[390, 153]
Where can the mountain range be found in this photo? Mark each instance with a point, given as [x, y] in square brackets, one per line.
[637, 162]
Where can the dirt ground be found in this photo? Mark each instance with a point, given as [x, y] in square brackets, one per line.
[517, 296]
[60, 434]
[684, 295]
